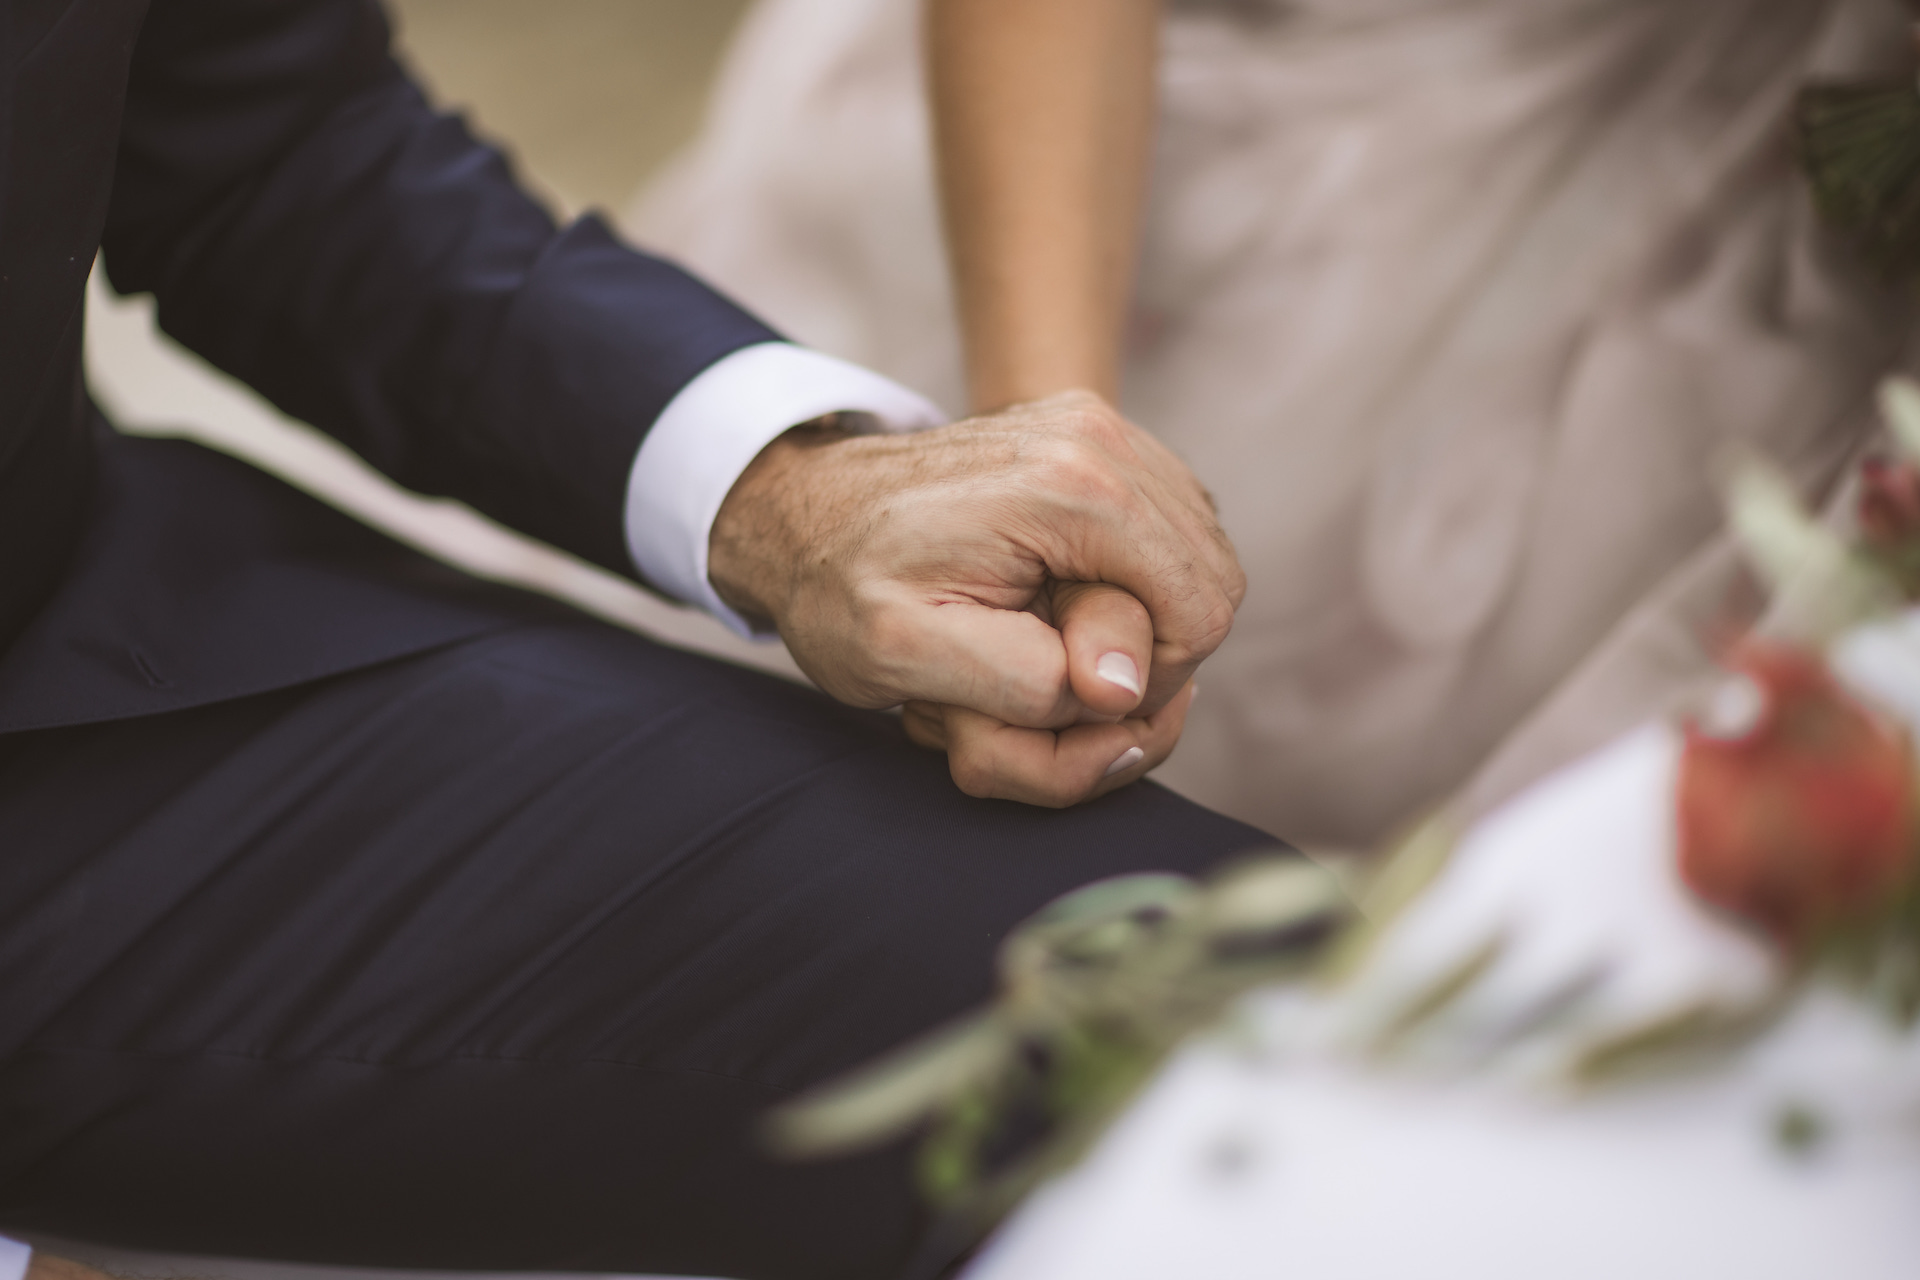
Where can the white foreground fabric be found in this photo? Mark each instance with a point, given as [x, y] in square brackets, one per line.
[1570, 894]
[1234, 1169]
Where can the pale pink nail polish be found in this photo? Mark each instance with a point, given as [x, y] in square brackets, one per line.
[1128, 758]
[1118, 668]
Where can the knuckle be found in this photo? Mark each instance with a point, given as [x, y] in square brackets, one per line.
[1054, 793]
[973, 775]
[1212, 630]
[1208, 630]
[1236, 588]
[880, 631]
[1097, 425]
[1058, 798]
[1062, 452]
[1029, 705]
[1032, 699]
[886, 641]
[1179, 653]
[924, 724]
[1082, 469]
[1218, 622]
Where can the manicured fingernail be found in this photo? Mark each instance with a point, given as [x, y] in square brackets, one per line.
[1117, 668]
[1128, 758]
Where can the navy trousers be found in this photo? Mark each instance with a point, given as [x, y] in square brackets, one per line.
[493, 956]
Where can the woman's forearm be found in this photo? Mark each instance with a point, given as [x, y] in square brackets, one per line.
[1043, 121]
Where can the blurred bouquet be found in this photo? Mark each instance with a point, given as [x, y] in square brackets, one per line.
[1665, 904]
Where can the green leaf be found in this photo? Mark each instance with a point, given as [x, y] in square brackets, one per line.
[1110, 899]
[889, 1097]
[1860, 145]
[1270, 893]
[1820, 586]
[1900, 407]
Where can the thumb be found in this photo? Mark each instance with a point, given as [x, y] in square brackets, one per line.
[1003, 663]
[1109, 645]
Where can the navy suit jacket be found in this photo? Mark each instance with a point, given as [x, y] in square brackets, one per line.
[307, 222]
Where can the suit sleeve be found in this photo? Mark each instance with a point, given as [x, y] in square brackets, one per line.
[308, 223]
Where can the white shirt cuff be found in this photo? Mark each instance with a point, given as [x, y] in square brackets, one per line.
[13, 1259]
[719, 423]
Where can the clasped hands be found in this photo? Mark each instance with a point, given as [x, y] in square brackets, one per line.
[1037, 586]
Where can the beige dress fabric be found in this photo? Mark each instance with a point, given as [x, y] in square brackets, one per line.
[1456, 305]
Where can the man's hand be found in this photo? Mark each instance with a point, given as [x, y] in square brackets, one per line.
[1040, 583]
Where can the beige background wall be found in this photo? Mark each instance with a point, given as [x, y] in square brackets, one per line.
[592, 94]
[589, 96]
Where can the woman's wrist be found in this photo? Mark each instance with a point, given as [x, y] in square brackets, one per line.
[1003, 373]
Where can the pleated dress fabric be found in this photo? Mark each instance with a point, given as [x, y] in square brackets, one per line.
[1457, 306]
